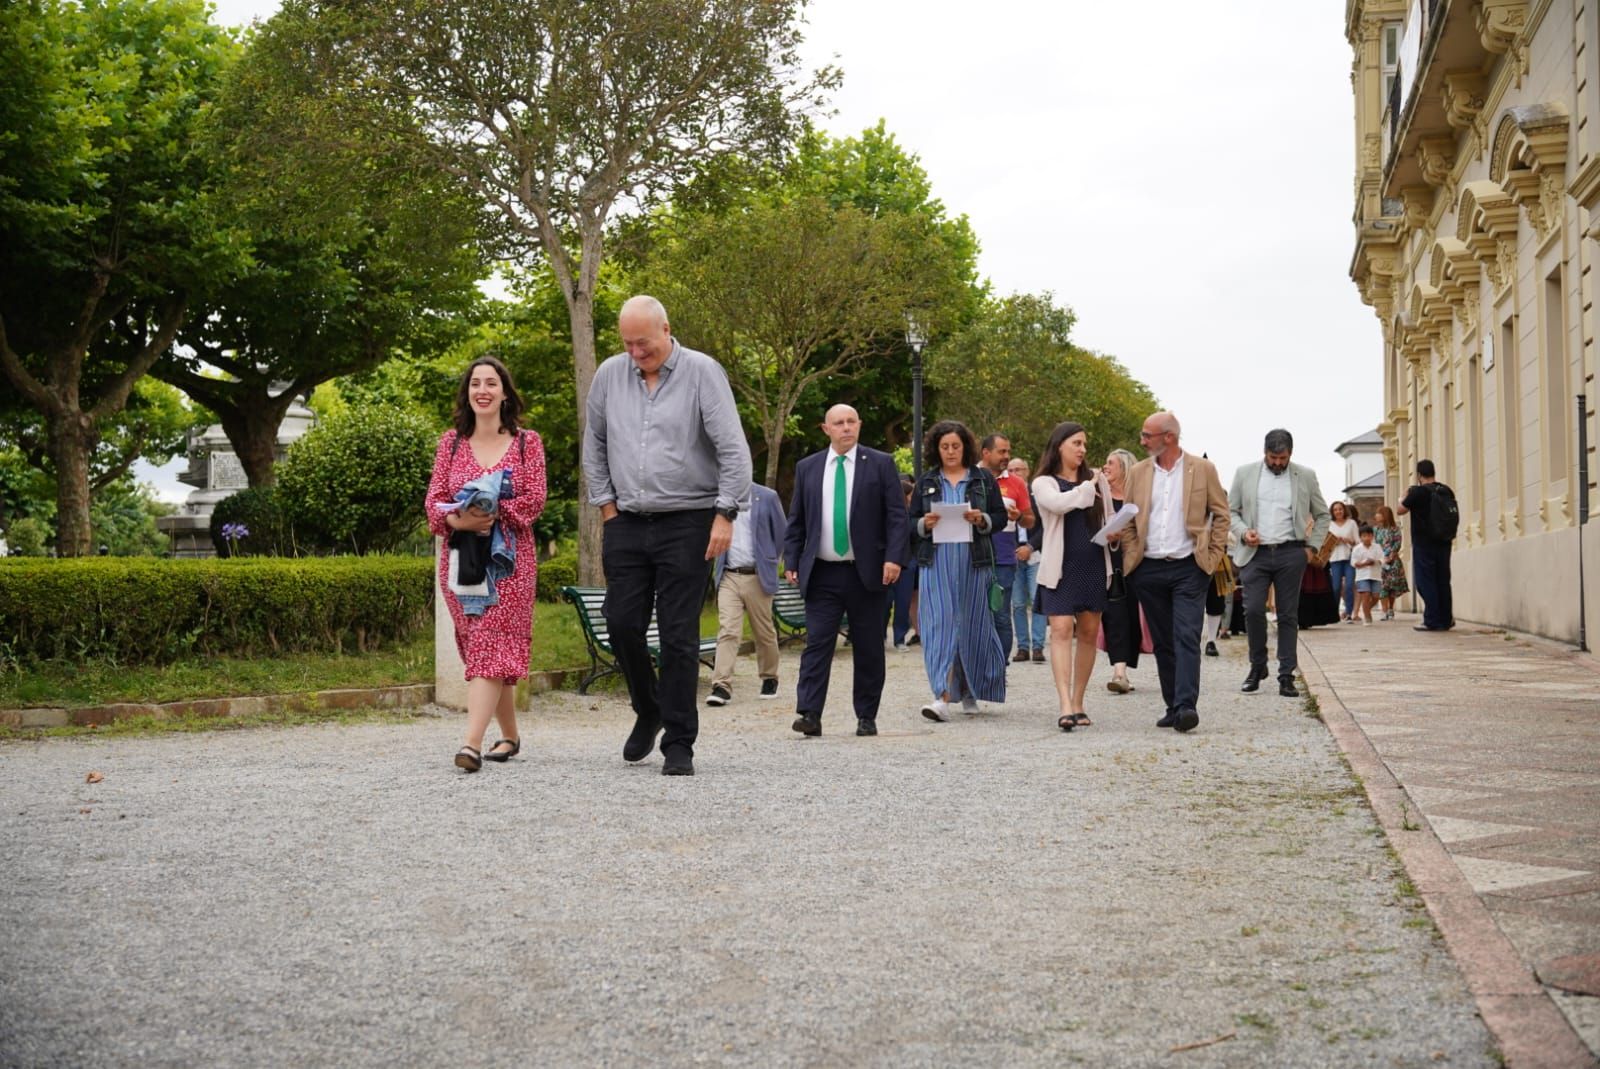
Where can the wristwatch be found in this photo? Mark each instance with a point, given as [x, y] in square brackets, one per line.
[730, 513]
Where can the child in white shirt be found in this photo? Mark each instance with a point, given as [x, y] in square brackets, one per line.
[1367, 559]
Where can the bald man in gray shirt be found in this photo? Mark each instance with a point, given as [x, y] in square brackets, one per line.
[668, 466]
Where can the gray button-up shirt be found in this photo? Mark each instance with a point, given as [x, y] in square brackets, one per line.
[681, 447]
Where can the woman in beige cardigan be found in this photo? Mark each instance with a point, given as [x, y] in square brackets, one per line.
[1073, 501]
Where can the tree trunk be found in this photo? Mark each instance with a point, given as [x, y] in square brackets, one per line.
[580, 314]
[72, 442]
[774, 437]
[252, 430]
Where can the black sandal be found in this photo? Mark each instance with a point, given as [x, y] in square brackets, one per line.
[1082, 720]
[469, 759]
[1067, 721]
[497, 754]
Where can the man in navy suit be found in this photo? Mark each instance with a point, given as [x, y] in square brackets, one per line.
[745, 579]
[846, 543]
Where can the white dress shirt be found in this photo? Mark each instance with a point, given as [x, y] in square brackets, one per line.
[1168, 535]
[830, 471]
[1275, 508]
[742, 550]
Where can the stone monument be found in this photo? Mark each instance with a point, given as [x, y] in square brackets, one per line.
[215, 473]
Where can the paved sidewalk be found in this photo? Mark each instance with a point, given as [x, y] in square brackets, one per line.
[987, 892]
[1495, 740]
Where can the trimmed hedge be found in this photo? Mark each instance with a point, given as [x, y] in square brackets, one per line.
[149, 611]
[559, 571]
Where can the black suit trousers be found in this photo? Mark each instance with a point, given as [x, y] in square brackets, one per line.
[835, 590]
[658, 563]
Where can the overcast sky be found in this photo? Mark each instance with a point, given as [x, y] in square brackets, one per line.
[1179, 174]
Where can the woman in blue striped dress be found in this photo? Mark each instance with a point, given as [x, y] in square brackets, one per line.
[960, 647]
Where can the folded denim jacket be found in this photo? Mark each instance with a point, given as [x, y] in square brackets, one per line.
[495, 554]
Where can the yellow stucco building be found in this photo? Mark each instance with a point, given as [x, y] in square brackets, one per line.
[1477, 137]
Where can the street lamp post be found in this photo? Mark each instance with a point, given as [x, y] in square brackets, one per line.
[916, 339]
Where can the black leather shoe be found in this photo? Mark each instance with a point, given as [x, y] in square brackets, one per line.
[1252, 682]
[677, 763]
[642, 739]
[808, 724]
[1287, 688]
[1211, 650]
[1168, 721]
[1188, 720]
[866, 727]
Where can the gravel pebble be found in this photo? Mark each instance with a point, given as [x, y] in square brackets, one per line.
[988, 891]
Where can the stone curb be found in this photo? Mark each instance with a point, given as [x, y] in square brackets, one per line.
[410, 696]
[1530, 1029]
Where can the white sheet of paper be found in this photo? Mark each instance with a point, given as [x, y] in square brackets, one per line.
[1117, 522]
[952, 525]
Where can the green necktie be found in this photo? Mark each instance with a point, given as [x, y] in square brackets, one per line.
[841, 514]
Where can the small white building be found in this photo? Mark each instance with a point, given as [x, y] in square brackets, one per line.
[1363, 472]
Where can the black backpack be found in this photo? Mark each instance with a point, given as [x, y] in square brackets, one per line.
[1444, 515]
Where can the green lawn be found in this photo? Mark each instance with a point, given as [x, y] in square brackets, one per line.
[557, 643]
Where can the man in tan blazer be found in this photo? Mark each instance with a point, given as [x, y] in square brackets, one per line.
[1177, 539]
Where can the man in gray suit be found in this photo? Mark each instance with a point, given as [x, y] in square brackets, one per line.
[1273, 504]
[746, 579]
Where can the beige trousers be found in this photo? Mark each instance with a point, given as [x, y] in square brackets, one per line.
[738, 596]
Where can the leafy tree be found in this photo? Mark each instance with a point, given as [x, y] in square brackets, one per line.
[555, 115]
[357, 481]
[154, 425]
[342, 276]
[794, 292]
[27, 537]
[124, 520]
[106, 232]
[1015, 371]
[799, 277]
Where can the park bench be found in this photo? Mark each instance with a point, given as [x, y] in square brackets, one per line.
[589, 600]
[788, 612]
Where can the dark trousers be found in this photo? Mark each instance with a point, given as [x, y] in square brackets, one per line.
[658, 561]
[833, 591]
[900, 603]
[1430, 563]
[1173, 594]
[1281, 567]
[1005, 575]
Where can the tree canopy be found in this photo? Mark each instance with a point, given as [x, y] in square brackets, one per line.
[1015, 371]
[106, 226]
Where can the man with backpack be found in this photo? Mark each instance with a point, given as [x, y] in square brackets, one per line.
[1434, 519]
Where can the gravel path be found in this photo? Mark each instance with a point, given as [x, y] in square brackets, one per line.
[984, 892]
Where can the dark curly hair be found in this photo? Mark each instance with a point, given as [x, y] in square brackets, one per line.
[930, 444]
[466, 420]
[1050, 462]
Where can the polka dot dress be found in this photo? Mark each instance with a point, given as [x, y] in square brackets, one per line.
[494, 645]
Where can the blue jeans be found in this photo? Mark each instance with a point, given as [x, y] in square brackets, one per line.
[1023, 585]
[1005, 575]
[1342, 574]
[900, 602]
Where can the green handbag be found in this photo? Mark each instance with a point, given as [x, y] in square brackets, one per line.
[997, 594]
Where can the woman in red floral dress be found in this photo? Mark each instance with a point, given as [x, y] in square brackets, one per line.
[493, 646]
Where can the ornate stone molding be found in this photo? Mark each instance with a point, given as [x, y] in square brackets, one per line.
[1499, 22]
[1486, 224]
[1436, 156]
[1463, 97]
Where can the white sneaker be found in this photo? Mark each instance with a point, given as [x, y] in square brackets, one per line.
[969, 705]
[937, 711]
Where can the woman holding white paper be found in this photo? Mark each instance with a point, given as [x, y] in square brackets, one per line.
[1073, 501]
[955, 508]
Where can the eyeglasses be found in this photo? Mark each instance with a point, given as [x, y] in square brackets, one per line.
[1146, 435]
